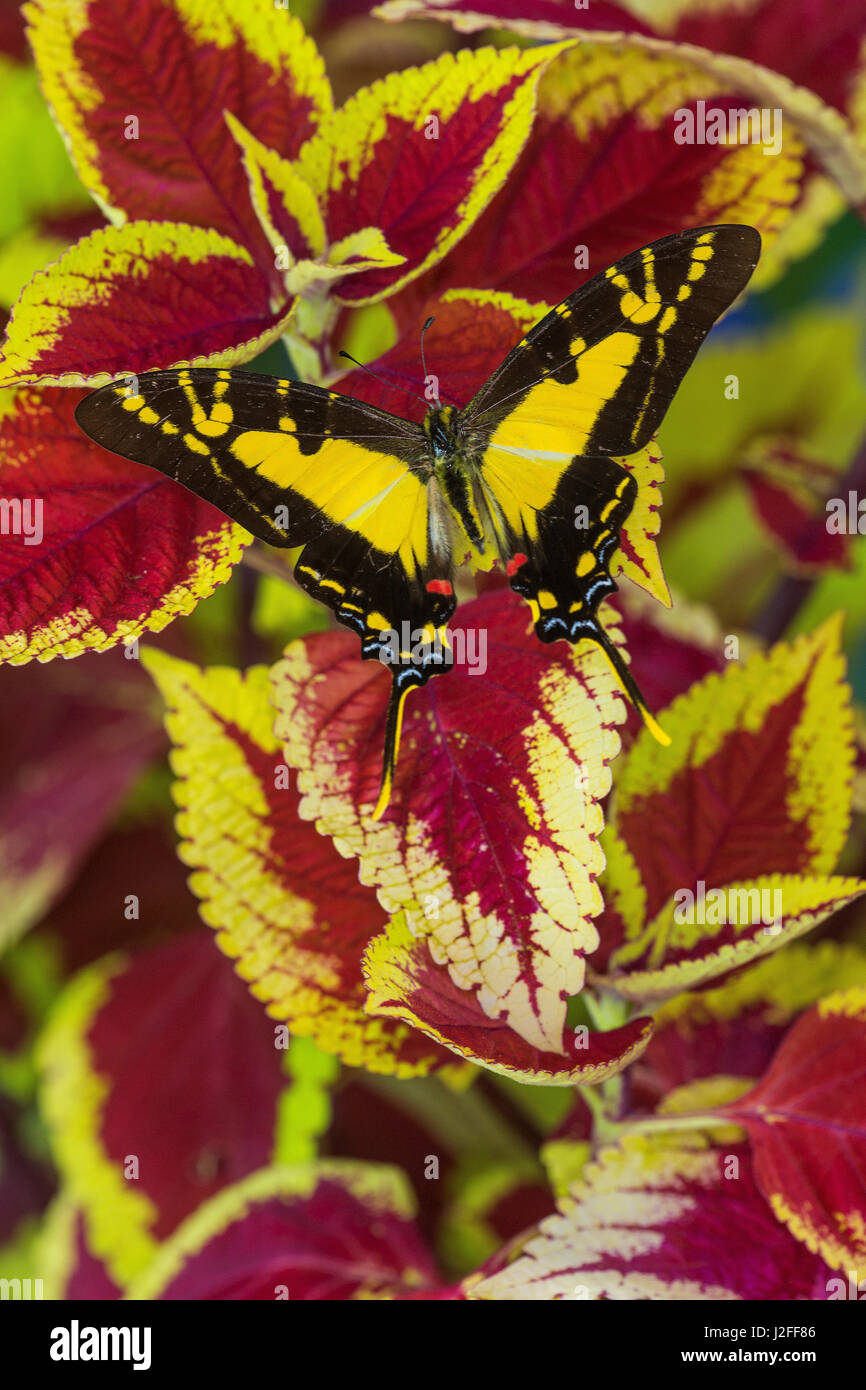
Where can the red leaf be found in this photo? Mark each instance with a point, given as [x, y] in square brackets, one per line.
[806, 1119]
[73, 740]
[471, 334]
[727, 817]
[602, 174]
[405, 983]
[191, 1078]
[788, 490]
[177, 68]
[124, 549]
[331, 1231]
[141, 296]
[815, 46]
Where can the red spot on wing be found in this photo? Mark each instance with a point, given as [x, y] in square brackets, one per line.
[439, 586]
[515, 562]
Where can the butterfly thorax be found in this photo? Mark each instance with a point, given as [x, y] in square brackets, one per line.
[453, 469]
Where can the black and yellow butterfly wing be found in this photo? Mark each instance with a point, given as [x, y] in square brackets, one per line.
[300, 466]
[590, 381]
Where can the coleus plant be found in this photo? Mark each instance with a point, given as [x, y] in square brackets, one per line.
[522, 912]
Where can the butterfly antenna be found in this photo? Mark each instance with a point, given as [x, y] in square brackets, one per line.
[629, 684]
[389, 385]
[424, 360]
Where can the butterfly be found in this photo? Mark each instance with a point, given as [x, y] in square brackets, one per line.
[385, 508]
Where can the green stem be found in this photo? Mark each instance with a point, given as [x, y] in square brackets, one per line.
[658, 1124]
[466, 1122]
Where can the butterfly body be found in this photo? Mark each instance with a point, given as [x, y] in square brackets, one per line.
[386, 508]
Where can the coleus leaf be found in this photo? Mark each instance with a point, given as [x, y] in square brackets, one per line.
[405, 983]
[285, 905]
[289, 212]
[176, 1013]
[659, 1218]
[72, 744]
[801, 39]
[176, 67]
[472, 332]
[752, 796]
[495, 816]
[602, 174]
[832, 141]
[533, 19]
[124, 551]
[788, 489]
[334, 1230]
[736, 1027]
[146, 295]
[420, 155]
[806, 1120]
[73, 1271]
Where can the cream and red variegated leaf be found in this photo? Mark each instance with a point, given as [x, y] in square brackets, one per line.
[405, 983]
[490, 845]
[722, 847]
[285, 906]
[665, 1218]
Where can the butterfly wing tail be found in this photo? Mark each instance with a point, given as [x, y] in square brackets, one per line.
[629, 684]
[393, 730]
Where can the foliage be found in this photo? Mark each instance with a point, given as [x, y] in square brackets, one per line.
[313, 1095]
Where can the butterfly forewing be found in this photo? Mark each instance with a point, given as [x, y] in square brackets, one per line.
[598, 373]
[284, 459]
